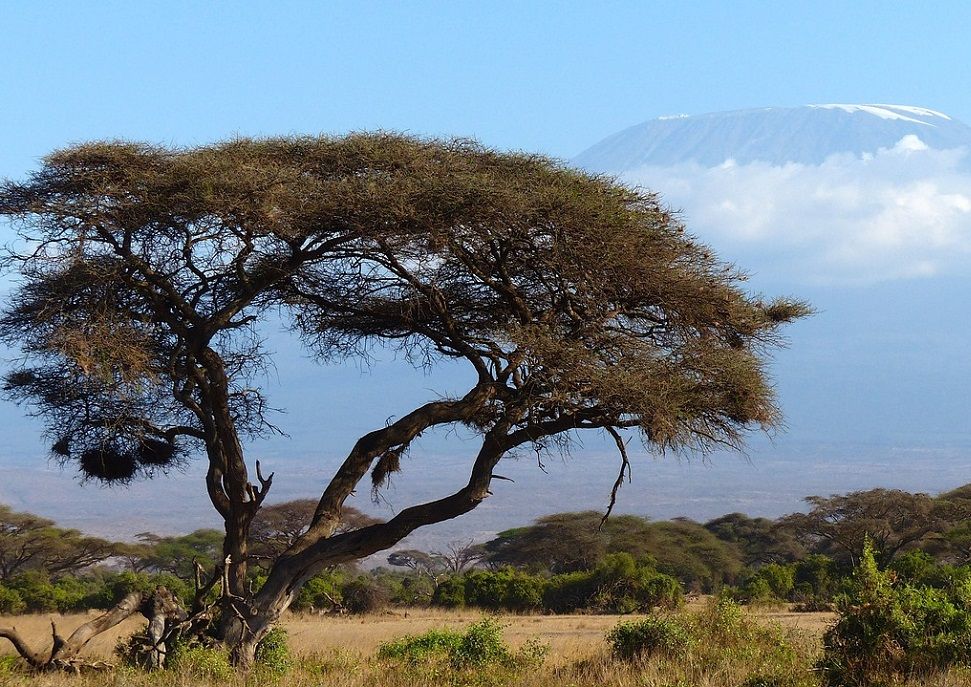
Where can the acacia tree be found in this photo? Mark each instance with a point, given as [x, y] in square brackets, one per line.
[577, 302]
[30, 542]
[890, 519]
[275, 528]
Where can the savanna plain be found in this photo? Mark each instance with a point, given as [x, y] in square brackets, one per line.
[772, 645]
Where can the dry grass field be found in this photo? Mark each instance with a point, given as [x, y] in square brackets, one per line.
[342, 652]
[569, 636]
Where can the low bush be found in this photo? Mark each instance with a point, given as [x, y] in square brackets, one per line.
[889, 631]
[450, 592]
[650, 636]
[713, 647]
[208, 663]
[362, 595]
[273, 652]
[618, 584]
[11, 603]
[479, 646]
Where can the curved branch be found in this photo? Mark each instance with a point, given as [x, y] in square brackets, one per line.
[36, 659]
[399, 433]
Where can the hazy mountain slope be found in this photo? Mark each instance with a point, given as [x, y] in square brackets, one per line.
[807, 134]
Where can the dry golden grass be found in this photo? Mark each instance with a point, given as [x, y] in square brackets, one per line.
[569, 636]
[341, 652]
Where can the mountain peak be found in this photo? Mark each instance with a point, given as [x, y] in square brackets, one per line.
[807, 134]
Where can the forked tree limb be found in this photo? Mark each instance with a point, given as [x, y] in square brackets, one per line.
[63, 653]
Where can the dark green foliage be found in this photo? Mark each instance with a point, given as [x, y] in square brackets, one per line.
[687, 551]
[450, 592]
[772, 582]
[618, 585]
[39, 594]
[273, 652]
[650, 636]
[914, 567]
[759, 540]
[507, 589]
[320, 592]
[571, 542]
[889, 630]
[817, 576]
[11, 602]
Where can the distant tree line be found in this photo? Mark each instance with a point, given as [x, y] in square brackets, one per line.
[563, 562]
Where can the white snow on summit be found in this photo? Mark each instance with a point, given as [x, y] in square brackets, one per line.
[919, 111]
[881, 111]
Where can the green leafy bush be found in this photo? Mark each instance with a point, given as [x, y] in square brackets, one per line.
[618, 584]
[41, 595]
[273, 652]
[507, 589]
[480, 645]
[201, 662]
[417, 648]
[650, 636]
[11, 603]
[889, 631]
[319, 590]
[450, 592]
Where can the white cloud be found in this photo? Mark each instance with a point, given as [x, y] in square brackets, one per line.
[900, 212]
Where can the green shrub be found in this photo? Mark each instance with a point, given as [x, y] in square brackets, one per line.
[816, 577]
[650, 636]
[618, 584]
[479, 646]
[507, 589]
[10, 665]
[450, 592]
[914, 567]
[889, 631]
[756, 590]
[417, 648]
[11, 603]
[315, 592]
[482, 644]
[273, 652]
[40, 595]
[201, 662]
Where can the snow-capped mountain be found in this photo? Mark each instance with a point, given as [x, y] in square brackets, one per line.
[807, 134]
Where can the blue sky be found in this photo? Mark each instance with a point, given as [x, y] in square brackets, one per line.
[877, 368]
[543, 76]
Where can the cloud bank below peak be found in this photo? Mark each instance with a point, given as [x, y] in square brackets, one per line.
[901, 212]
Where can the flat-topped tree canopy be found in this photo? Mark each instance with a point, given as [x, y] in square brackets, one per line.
[578, 302]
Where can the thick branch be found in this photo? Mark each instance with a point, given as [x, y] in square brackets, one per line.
[36, 659]
[399, 433]
[66, 650]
